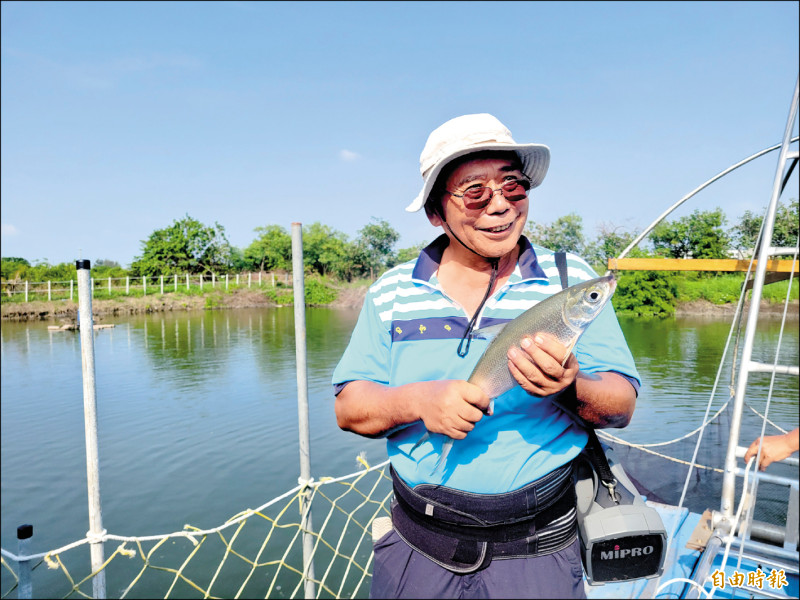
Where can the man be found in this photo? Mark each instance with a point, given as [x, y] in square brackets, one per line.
[499, 519]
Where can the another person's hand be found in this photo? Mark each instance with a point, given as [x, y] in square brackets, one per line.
[774, 447]
[452, 407]
[538, 367]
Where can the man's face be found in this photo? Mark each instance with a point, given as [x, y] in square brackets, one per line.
[494, 230]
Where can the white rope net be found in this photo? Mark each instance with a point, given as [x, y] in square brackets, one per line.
[257, 553]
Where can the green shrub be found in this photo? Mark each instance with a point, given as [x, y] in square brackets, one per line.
[646, 293]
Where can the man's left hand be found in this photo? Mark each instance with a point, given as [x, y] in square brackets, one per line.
[537, 367]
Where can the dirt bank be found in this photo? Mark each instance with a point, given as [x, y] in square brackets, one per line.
[349, 297]
[241, 298]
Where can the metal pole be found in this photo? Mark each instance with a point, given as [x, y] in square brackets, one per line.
[24, 534]
[96, 530]
[729, 476]
[302, 405]
[162, 285]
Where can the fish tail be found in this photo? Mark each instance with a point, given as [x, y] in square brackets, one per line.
[421, 441]
[448, 444]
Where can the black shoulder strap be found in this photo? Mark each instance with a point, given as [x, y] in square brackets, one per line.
[561, 265]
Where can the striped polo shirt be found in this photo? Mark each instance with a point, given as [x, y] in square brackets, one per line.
[409, 331]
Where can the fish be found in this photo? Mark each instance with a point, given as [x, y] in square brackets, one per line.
[565, 316]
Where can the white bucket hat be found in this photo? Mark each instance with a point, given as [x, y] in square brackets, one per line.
[474, 133]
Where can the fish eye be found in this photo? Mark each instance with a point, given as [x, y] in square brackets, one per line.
[593, 295]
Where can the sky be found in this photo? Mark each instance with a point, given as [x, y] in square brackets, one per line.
[118, 118]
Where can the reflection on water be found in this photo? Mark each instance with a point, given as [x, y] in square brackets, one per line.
[197, 413]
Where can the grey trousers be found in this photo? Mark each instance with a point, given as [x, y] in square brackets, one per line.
[401, 572]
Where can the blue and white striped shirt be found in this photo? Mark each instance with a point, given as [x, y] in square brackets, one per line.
[409, 331]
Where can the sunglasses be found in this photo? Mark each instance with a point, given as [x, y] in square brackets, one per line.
[479, 196]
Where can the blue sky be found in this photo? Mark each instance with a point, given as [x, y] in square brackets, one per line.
[116, 118]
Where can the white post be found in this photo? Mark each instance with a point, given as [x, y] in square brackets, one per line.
[201, 282]
[109, 286]
[273, 279]
[187, 282]
[127, 285]
[226, 282]
[259, 278]
[176, 282]
[24, 533]
[71, 285]
[26, 290]
[302, 406]
[213, 279]
[237, 279]
[162, 285]
[96, 530]
[49, 294]
[249, 281]
[144, 285]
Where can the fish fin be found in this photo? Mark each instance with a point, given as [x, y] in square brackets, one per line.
[488, 333]
[421, 441]
[569, 350]
[448, 444]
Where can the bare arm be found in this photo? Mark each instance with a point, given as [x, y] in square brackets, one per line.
[774, 448]
[450, 407]
[603, 399]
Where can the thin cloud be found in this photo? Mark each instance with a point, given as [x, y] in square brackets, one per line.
[348, 155]
[8, 229]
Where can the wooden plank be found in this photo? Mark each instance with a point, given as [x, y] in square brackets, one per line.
[695, 264]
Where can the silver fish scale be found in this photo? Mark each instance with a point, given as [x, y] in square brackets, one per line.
[491, 373]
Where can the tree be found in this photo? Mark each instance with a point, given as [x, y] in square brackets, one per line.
[12, 267]
[564, 234]
[745, 233]
[325, 250]
[610, 243]
[271, 250]
[377, 240]
[186, 246]
[700, 235]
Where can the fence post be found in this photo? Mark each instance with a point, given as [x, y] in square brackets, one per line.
[109, 286]
[49, 294]
[302, 406]
[144, 285]
[237, 279]
[162, 285]
[187, 282]
[226, 282]
[213, 280]
[201, 282]
[249, 281]
[259, 278]
[176, 282]
[71, 286]
[127, 284]
[273, 279]
[96, 531]
[24, 533]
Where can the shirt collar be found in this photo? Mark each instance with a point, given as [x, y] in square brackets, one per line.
[431, 257]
